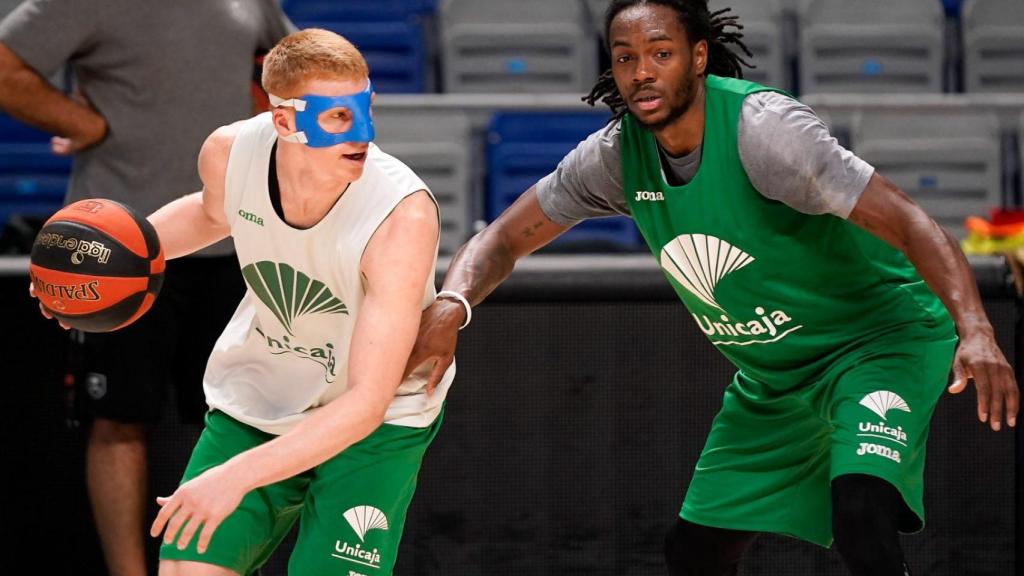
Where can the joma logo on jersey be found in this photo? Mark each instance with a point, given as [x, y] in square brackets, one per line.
[249, 216]
[698, 263]
[644, 195]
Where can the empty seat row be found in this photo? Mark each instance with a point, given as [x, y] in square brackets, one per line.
[548, 46]
[951, 163]
[523, 147]
[544, 46]
[393, 35]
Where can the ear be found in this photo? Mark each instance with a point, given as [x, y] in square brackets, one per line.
[700, 57]
[284, 121]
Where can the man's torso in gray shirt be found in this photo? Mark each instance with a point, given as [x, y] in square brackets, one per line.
[163, 74]
[785, 148]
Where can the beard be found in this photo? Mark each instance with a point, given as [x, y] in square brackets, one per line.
[684, 97]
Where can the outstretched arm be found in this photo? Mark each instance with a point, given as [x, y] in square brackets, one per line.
[396, 264]
[885, 211]
[475, 271]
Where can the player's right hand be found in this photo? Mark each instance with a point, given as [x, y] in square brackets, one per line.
[436, 340]
[42, 309]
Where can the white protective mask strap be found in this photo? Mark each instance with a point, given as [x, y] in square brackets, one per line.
[299, 105]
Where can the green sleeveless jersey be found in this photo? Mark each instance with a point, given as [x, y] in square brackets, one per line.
[781, 293]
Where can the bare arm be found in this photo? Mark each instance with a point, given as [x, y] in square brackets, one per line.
[196, 221]
[489, 257]
[27, 96]
[885, 211]
[397, 263]
[475, 271]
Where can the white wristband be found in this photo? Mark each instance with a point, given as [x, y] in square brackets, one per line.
[462, 300]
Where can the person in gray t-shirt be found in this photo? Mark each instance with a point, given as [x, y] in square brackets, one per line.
[152, 79]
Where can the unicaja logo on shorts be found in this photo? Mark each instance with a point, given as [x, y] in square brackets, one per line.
[289, 293]
[362, 519]
[882, 401]
[698, 262]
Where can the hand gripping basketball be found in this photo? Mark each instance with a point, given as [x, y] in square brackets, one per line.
[96, 266]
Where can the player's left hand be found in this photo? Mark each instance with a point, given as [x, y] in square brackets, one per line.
[978, 358]
[205, 501]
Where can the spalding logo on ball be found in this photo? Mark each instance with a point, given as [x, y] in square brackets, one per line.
[96, 265]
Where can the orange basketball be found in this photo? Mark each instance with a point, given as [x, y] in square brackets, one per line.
[96, 265]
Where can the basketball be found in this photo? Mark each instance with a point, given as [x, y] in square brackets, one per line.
[96, 265]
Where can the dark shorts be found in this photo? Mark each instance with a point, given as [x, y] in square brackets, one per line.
[126, 375]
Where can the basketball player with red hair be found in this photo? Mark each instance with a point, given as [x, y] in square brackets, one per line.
[310, 414]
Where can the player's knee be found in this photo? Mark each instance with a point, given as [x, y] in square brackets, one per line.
[694, 550]
[865, 524]
[106, 431]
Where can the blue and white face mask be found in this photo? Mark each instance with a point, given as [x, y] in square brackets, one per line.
[348, 118]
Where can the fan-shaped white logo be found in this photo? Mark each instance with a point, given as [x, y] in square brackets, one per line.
[882, 401]
[362, 519]
[698, 262]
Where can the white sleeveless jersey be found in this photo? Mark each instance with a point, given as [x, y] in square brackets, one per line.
[285, 351]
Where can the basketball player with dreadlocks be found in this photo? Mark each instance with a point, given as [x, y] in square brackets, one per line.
[836, 297]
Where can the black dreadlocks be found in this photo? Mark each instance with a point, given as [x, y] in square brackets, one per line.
[700, 24]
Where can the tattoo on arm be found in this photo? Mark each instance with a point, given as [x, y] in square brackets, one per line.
[529, 231]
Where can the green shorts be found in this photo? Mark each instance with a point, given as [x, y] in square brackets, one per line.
[770, 458]
[352, 506]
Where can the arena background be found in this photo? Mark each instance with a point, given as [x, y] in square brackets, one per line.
[584, 391]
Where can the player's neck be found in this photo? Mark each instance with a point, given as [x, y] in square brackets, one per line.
[307, 194]
[687, 132]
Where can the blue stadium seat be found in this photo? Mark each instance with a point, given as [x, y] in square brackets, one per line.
[391, 35]
[521, 46]
[33, 181]
[952, 7]
[523, 147]
[357, 10]
[872, 46]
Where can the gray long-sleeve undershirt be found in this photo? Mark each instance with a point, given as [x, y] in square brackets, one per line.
[785, 148]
